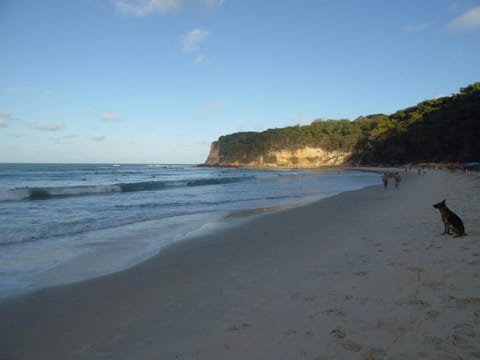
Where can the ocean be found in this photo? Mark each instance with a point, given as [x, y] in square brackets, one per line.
[62, 223]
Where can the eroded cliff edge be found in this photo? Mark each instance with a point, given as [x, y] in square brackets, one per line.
[306, 157]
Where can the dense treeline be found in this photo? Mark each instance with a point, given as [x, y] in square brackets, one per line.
[440, 130]
[443, 129]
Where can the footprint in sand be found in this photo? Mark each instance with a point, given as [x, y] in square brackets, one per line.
[435, 285]
[464, 330]
[416, 270]
[432, 315]
[296, 296]
[239, 327]
[351, 346]
[361, 273]
[460, 342]
[468, 301]
[433, 246]
[476, 316]
[375, 354]
[338, 333]
[433, 340]
[378, 246]
[334, 312]
[418, 303]
[381, 323]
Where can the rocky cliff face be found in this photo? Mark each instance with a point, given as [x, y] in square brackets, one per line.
[307, 157]
[214, 155]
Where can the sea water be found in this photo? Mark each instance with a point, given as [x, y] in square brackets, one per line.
[62, 223]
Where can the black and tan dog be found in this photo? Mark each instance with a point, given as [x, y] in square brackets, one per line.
[450, 220]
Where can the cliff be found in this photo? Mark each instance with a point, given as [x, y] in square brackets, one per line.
[306, 157]
[214, 155]
[440, 130]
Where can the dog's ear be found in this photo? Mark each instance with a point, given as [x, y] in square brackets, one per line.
[443, 202]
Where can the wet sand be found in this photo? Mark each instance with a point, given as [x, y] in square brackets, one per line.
[364, 274]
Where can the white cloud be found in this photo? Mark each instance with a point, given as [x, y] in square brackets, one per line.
[99, 138]
[46, 126]
[109, 117]
[200, 59]
[5, 118]
[468, 21]
[141, 8]
[211, 3]
[191, 42]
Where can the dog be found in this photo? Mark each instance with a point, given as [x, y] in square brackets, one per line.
[450, 220]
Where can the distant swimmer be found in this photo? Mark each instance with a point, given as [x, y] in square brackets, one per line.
[450, 220]
[397, 178]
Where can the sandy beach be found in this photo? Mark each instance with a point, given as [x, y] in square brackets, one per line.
[362, 275]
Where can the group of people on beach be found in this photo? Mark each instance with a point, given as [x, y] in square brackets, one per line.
[396, 177]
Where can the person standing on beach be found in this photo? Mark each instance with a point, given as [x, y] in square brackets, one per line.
[398, 178]
[385, 180]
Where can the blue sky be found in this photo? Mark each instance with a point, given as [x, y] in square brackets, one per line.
[156, 81]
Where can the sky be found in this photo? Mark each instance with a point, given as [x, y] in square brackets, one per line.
[156, 81]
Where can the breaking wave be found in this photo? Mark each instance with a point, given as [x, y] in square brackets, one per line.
[44, 193]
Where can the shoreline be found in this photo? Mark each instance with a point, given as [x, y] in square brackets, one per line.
[105, 251]
[362, 272]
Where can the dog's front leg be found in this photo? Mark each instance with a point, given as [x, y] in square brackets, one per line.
[447, 229]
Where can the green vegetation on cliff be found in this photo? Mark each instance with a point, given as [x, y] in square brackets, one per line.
[329, 135]
[443, 129]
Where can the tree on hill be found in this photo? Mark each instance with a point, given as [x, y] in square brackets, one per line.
[442, 129]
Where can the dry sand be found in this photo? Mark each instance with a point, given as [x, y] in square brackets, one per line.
[362, 275]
